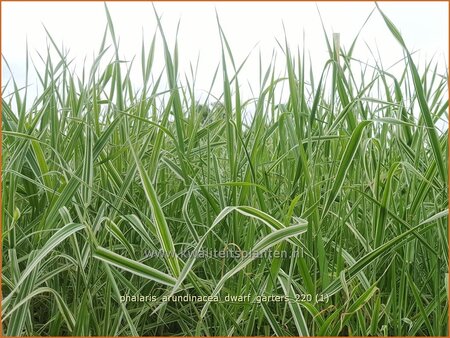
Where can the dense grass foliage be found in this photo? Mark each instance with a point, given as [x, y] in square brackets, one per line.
[344, 184]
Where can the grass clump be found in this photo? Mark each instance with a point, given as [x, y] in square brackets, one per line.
[112, 189]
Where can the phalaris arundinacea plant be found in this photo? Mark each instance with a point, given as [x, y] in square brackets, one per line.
[115, 194]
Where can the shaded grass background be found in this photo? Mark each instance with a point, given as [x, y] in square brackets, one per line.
[350, 174]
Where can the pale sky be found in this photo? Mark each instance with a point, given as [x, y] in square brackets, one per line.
[80, 26]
